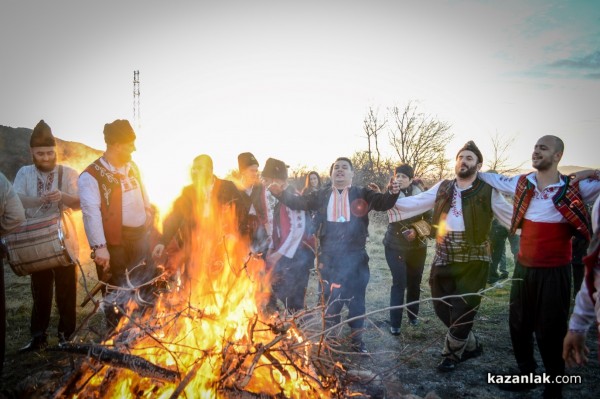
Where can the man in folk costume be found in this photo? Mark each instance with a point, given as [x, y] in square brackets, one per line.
[253, 213]
[12, 215]
[587, 305]
[116, 211]
[45, 189]
[548, 210]
[291, 253]
[199, 203]
[463, 209]
[344, 264]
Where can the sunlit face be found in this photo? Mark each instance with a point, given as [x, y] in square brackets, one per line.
[342, 174]
[250, 175]
[313, 180]
[202, 171]
[123, 151]
[467, 164]
[403, 180]
[44, 158]
[545, 154]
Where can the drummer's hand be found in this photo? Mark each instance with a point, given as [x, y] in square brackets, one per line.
[158, 251]
[102, 259]
[52, 196]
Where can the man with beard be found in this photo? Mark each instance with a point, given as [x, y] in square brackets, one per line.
[463, 209]
[117, 213]
[343, 263]
[548, 210]
[45, 188]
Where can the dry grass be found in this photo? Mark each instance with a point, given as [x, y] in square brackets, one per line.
[405, 364]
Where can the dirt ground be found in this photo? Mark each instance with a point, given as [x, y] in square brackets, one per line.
[404, 366]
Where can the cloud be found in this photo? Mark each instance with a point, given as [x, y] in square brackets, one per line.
[590, 61]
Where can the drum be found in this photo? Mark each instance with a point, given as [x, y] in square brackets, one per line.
[40, 244]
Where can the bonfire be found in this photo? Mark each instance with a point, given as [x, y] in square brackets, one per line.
[204, 335]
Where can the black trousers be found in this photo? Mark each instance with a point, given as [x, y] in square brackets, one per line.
[539, 306]
[407, 271]
[457, 279]
[124, 258]
[62, 283]
[290, 278]
[345, 276]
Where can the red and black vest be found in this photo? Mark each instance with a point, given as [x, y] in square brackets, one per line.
[111, 198]
[567, 201]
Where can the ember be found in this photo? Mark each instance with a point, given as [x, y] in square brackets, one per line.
[208, 337]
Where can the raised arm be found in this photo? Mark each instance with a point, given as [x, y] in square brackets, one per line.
[504, 184]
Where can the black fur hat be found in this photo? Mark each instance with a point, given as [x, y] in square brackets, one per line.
[275, 169]
[42, 136]
[470, 146]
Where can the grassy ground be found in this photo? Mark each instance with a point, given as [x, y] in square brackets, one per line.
[404, 364]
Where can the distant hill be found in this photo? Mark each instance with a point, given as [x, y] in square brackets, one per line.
[14, 151]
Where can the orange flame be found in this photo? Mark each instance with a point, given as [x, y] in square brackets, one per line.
[212, 330]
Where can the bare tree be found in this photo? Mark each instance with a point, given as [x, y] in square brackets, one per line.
[500, 159]
[420, 140]
[372, 125]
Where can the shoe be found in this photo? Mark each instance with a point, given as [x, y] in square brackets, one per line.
[35, 344]
[360, 347]
[395, 331]
[413, 322]
[471, 354]
[447, 364]
[504, 275]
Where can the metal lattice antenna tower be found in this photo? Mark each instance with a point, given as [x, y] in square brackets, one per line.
[136, 100]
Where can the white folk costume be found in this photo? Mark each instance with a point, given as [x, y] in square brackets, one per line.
[541, 289]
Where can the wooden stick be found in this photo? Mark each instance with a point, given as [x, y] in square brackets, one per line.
[122, 360]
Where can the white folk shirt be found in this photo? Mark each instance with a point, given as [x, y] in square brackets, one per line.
[420, 203]
[297, 219]
[28, 178]
[585, 313]
[135, 203]
[541, 208]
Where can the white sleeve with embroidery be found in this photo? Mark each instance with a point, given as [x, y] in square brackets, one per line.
[589, 188]
[89, 195]
[505, 184]
[584, 313]
[503, 211]
[417, 204]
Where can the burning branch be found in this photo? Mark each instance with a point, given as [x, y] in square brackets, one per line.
[113, 358]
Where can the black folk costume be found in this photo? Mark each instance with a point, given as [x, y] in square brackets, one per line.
[343, 259]
[406, 260]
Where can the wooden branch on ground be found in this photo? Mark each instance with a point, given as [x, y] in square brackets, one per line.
[113, 358]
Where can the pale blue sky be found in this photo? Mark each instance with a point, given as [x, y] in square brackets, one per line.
[294, 79]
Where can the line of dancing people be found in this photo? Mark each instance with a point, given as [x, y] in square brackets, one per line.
[284, 225]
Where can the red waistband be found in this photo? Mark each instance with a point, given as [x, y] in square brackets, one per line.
[545, 244]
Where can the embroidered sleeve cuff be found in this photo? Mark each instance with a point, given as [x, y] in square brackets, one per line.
[95, 247]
